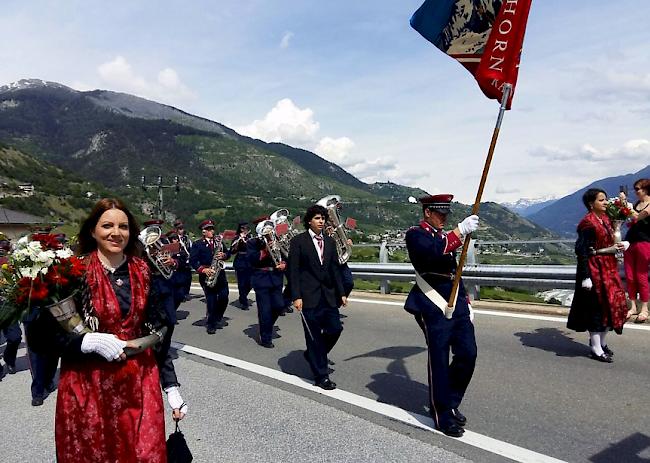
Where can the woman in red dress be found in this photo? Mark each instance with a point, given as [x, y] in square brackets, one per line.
[599, 303]
[637, 258]
[109, 406]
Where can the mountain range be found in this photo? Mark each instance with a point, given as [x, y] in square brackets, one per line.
[110, 140]
[563, 215]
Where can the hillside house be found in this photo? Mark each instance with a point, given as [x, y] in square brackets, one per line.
[15, 224]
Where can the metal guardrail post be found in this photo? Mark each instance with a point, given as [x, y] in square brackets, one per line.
[384, 286]
[472, 259]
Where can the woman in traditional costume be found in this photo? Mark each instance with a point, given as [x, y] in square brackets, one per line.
[637, 258]
[599, 303]
[109, 406]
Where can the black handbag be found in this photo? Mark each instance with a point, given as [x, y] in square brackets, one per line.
[177, 449]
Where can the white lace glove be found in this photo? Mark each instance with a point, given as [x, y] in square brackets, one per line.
[626, 245]
[105, 344]
[587, 284]
[468, 225]
[175, 400]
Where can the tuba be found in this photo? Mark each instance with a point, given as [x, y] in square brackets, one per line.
[335, 228]
[266, 232]
[217, 265]
[284, 230]
[157, 251]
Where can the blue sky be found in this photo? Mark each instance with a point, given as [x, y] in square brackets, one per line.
[352, 81]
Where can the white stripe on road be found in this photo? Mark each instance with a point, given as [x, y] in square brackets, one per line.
[480, 441]
[499, 313]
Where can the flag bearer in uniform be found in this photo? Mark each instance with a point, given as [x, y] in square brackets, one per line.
[431, 251]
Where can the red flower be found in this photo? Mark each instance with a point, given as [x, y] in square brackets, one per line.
[56, 276]
[31, 290]
[77, 267]
[47, 240]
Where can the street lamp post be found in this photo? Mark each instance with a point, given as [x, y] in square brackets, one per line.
[160, 213]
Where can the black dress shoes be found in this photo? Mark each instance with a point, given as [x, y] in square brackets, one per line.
[267, 344]
[37, 401]
[11, 369]
[326, 384]
[452, 430]
[608, 351]
[602, 358]
[212, 330]
[459, 417]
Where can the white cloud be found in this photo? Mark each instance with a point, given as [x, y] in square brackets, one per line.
[167, 88]
[336, 150]
[285, 123]
[631, 150]
[286, 38]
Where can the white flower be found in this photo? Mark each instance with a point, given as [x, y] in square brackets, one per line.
[64, 253]
[32, 272]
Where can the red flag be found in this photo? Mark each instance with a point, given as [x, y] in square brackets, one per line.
[485, 37]
[281, 229]
[228, 234]
[350, 223]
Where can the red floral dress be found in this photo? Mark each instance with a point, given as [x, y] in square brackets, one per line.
[112, 411]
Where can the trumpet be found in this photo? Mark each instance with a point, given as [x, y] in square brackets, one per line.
[335, 228]
[158, 252]
[266, 232]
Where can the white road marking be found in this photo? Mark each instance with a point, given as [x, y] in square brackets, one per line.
[480, 441]
[499, 313]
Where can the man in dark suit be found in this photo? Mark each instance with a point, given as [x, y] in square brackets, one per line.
[431, 251]
[317, 291]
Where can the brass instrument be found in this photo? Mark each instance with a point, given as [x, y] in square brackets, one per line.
[266, 232]
[335, 228]
[284, 230]
[217, 265]
[157, 251]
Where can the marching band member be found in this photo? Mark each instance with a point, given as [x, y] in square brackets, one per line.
[241, 264]
[184, 273]
[202, 256]
[179, 278]
[316, 290]
[431, 251]
[267, 279]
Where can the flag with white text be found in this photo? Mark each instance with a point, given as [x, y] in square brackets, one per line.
[485, 36]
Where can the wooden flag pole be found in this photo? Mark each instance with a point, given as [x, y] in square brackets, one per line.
[507, 88]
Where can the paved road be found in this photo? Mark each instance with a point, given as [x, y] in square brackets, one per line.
[534, 387]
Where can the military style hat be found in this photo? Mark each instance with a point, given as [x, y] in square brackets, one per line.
[153, 222]
[437, 203]
[207, 223]
[178, 223]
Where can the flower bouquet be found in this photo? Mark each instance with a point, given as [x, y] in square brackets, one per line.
[619, 209]
[41, 272]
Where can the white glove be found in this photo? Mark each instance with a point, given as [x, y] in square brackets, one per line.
[587, 284]
[471, 313]
[175, 400]
[468, 225]
[105, 344]
[626, 245]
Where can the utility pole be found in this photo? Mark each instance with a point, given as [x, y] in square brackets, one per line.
[160, 213]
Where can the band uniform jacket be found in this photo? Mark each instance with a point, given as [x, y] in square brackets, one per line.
[201, 257]
[432, 254]
[308, 278]
[264, 275]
